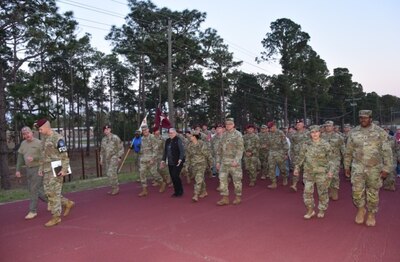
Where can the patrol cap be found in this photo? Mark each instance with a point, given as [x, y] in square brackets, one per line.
[365, 113]
[314, 128]
[106, 127]
[219, 125]
[329, 123]
[299, 121]
[145, 127]
[270, 124]
[26, 129]
[347, 126]
[264, 126]
[230, 119]
[40, 122]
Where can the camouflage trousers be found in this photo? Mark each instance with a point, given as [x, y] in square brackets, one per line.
[335, 181]
[293, 156]
[264, 162]
[365, 188]
[163, 172]
[236, 174]
[390, 180]
[276, 159]
[111, 172]
[35, 187]
[148, 169]
[198, 174]
[321, 181]
[251, 164]
[52, 188]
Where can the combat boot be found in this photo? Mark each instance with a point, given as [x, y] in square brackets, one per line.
[70, 204]
[203, 194]
[252, 183]
[224, 201]
[310, 213]
[273, 185]
[237, 200]
[391, 187]
[114, 191]
[371, 222]
[53, 221]
[321, 214]
[162, 187]
[334, 194]
[285, 181]
[294, 186]
[195, 198]
[144, 192]
[263, 177]
[360, 215]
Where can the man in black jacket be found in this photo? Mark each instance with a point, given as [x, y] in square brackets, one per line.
[174, 154]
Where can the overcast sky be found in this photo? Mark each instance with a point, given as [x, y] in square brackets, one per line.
[361, 35]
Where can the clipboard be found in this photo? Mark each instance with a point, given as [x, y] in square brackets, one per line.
[56, 166]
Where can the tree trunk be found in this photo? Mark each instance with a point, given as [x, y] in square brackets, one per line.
[4, 170]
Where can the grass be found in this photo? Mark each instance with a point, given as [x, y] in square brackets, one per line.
[18, 194]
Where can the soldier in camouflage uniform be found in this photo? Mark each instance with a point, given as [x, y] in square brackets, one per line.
[111, 153]
[30, 153]
[389, 183]
[148, 165]
[198, 159]
[369, 156]
[297, 139]
[251, 156]
[278, 150]
[337, 143]
[215, 140]
[163, 171]
[263, 151]
[316, 158]
[229, 159]
[53, 149]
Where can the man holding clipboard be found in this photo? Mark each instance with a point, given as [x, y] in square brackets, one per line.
[54, 150]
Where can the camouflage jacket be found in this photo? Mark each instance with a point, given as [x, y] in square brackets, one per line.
[263, 142]
[149, 148]
[231, 147]
[336, 141]
[315, 157]
[277, 142]
[297, 139]
[111, 147]
[198, 154]
[53, 149]
[251, 144]
[160, 147]
[215, 144]
[368, 147]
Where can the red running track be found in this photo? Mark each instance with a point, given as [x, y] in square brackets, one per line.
[267, 226]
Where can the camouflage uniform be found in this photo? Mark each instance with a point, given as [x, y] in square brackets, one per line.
[367, 154]
[230, 149]
[337, 143]
[111, 152]
[53, 149]
[278, 149]
[159, 153]
[198, 158]
[251, 156]
[148, 157]
[297, 139]
[317, 161]
[263, 153]
[390, 181]
[214, 146]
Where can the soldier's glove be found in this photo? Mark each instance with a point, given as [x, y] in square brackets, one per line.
[384, 174]
[347, 173]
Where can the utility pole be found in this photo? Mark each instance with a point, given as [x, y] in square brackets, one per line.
[170, 90]
[353, 103]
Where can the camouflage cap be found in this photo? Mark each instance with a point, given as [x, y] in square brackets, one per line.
[329, 123]
[26, 129]
[264, 126]
[144, 127]
[314, 128]
[365, 113]
[106, 127]
[230, 119]
[347, 126]
[40, 122]
[299, 121]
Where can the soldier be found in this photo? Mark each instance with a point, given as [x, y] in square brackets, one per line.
[346, 132]
[337, 143]
[389, 183]
[159, 153]
[229, 159]
[297, 139]
[53, 149]
[251, 156]
[315, 156]
[263, 151]
[29, 153]
[135, 146]
[111, 153]
[148, 165]
[369, 156]
[278, 150]
[216, 139]
[198, 159]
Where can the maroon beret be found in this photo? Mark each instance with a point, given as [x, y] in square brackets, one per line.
[106, 126]
[40, 122]
[271, 124]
